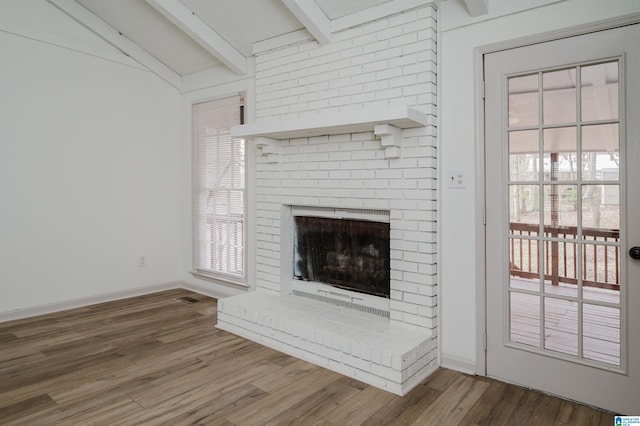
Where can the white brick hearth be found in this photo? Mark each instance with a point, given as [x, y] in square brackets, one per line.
[360, 345]
[387, 65]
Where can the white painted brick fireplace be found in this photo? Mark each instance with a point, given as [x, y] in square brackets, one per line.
[369, 74]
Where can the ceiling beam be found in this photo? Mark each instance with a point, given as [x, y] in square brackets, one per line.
[112, 36]
[313, 18]
[477, 7]
[202, 33]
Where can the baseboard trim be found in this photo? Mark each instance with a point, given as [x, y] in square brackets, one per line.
[215, 291]
[86, 301]
[461, 365]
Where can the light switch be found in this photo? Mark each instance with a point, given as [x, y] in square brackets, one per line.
[456, 179]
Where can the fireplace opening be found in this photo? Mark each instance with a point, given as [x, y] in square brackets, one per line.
[346, 253]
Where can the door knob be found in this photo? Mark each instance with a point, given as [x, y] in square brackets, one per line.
[635, 252]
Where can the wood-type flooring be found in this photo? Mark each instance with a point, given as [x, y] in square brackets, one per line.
[158, 359]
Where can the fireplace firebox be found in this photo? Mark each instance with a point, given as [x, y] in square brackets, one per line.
[346, 253]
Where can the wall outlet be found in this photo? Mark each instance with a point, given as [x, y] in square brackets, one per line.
[142, 260]
[456, 179]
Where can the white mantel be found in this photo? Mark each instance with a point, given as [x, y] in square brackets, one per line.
[386, 124]
[365, 120]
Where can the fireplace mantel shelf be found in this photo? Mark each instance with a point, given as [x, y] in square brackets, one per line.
[332, 124]
[387, 124]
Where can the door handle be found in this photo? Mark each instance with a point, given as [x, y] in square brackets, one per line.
[634, 252]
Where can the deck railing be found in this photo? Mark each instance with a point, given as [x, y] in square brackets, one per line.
[600, 259]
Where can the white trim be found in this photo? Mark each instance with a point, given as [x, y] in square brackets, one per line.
[246, 88]
[458, 364]
[86, 301]
[440, 187]
[295, 37]
[548, 36]
[221, 279]
[202, 33]
[217, 292]
[496, 10]
[480, 235]
[198, 179]
[112, 36]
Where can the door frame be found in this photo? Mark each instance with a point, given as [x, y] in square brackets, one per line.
[479, 155]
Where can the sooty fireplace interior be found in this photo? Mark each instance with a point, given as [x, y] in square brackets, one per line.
[346, 253]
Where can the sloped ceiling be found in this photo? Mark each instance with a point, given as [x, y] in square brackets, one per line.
[239, 22]
[190, 36]
[146, 27]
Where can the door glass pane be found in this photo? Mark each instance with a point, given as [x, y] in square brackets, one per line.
[525, 319]
[561, 325]
[560, 210]
[600, 209]
[559, 96]
[601, 333]
[524, 205]
[601, 272]
[524, 260]
[601, 233]
[599, 86]
[561, 266]
[600, 152]
[560, 153]
[523, 155]
[523, 101]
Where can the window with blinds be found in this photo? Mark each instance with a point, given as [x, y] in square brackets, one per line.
[220, 190]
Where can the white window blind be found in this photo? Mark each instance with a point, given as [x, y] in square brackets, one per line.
[220, 190]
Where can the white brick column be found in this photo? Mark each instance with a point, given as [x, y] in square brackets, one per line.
[388, 63]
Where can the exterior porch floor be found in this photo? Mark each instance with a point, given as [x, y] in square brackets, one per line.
[600, 329]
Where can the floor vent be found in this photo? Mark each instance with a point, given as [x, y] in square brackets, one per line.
[188, 299]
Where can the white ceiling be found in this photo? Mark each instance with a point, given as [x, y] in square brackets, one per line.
[145, 26]
[240, 23]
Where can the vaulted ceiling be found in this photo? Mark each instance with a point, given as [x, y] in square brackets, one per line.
[176, 38]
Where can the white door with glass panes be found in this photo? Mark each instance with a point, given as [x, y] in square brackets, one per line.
[562, 161]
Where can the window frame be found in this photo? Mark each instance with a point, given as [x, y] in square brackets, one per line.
[198, 270]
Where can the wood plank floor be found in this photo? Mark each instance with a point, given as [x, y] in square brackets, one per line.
[158, 359]
[601, 324]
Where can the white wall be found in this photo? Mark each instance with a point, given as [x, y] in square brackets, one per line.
[460, 217]
[89, 164]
